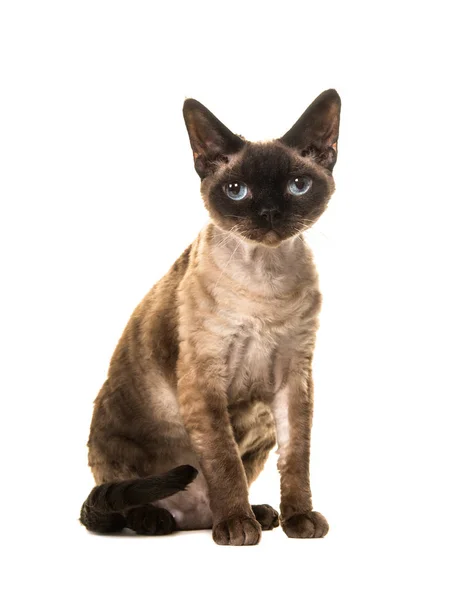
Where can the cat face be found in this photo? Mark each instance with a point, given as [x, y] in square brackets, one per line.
[271, 191]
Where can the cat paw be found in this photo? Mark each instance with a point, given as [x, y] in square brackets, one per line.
[150, 520]
[239, 530]
[308, 525]
[266, 516]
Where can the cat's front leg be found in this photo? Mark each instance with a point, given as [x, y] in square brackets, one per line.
[203, 406]
[293, 411]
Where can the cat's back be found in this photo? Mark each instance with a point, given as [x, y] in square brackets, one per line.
[151, 334]
[147, 351]
[136, 407]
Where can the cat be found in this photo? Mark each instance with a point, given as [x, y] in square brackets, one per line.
[214, 367]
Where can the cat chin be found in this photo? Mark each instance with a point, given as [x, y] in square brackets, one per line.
[270, 239]
[260, 237]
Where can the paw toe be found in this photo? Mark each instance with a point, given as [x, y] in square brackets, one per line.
[150, 520]
[237, 531]
[308, 525]
[266, 516]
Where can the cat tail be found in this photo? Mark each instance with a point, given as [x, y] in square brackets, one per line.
[103, 509]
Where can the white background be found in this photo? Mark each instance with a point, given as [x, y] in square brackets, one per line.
[99, 197]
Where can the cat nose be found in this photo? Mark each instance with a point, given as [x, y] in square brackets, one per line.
[271, 215]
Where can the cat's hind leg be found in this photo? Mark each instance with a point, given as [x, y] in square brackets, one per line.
[150, 520]
[266, 516]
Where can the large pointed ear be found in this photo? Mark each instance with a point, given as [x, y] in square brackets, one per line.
[210, 140]
[316, 133]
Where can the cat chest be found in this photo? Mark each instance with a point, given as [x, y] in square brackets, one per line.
[255, 360]
[251, 343]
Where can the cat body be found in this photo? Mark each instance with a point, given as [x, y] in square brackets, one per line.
[214, 365]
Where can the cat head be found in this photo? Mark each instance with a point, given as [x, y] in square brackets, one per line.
[266, 192]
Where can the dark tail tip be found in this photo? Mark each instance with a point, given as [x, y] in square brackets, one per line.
[181, 476]
[101, 509]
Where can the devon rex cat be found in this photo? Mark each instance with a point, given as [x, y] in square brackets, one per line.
[214, 366]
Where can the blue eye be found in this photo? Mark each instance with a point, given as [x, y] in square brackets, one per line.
[299, 185]
[236, 190]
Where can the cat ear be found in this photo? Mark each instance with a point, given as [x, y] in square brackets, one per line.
[210, 140]
[316, 133]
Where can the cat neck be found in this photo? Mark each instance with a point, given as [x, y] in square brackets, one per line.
[269, 271]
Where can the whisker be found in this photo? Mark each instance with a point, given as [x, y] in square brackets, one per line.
[308, 224]
[315, 230]
[228, 235]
